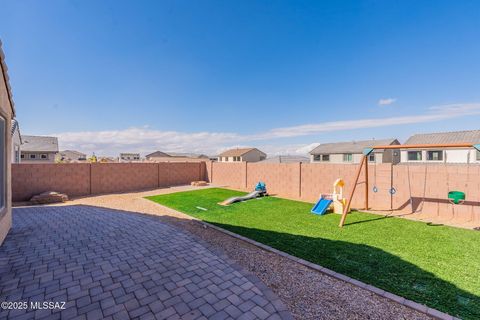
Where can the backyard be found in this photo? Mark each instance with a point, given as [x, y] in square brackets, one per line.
[431, 264]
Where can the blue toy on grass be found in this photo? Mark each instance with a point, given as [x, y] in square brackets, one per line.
[321, 206]
[261, 187]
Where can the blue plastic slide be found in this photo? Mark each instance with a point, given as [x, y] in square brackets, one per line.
[321, 206]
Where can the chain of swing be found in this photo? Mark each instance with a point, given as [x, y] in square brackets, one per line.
[392, 190]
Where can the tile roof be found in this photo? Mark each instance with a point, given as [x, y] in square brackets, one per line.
[157, 154]
[186, 155]
[72, 154]
[351, 146]
[39, 144]
[238, 152]
[471, 136]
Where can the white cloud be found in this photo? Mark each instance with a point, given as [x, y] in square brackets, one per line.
[435, 113]
[386, 101]
[145, 140]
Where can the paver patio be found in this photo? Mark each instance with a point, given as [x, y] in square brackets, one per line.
[109, 264]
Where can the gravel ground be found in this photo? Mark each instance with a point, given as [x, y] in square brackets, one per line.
[308, 294]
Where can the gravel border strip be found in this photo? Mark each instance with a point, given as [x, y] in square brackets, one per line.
[385, 294]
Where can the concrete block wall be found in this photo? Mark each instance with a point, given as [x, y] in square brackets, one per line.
[419, 188]
[122, 177]
[31, 179]
[280, 178]
[176, 173]
[82, 179]
[230, 174]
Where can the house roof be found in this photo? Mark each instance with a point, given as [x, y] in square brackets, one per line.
[286, 159]
[238, 152]
[72, 153]
[187, 155]
[351, 146]
[39, 144]
[157, 154]
[471, 136]
[4, 72]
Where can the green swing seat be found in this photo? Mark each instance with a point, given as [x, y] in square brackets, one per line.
[456, 196]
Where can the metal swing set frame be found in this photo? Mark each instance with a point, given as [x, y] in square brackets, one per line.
[364, 162]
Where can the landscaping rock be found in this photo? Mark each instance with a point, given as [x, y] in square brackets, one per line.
[199, 183]
[48, 197]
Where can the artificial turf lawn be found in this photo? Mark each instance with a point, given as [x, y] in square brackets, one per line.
[435, 265]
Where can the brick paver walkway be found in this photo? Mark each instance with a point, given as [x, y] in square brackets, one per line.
[108, 264]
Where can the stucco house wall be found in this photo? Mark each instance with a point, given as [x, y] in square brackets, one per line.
[337, 150]
[38, 157]
[242, 155]
[7, 113]
[450, 156]
[387, 156]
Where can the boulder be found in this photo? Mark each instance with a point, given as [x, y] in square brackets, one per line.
[199, 183]
[48, 197]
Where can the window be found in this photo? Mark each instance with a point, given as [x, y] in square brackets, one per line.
[325, 157]
[478, 155]
[414, 155]
[347, 157]
[371, 157]
[22, 156]
[436, 155]
[43, 156]
[316, 157]
[33, 156]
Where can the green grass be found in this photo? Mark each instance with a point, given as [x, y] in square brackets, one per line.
[435, 265]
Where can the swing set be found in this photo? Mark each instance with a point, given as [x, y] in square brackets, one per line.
[455, 197]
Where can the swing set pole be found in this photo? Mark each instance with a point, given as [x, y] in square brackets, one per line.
[366, 182]
[352, 192]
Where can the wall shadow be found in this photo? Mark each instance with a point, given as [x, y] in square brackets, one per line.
[415, 202]
[373, 266]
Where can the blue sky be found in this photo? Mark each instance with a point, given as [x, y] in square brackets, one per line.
[110, 76]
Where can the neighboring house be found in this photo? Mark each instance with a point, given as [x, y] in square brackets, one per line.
[7, 113]
[38, 149]
[71, 156]
[242, 155]
[286, 159]
[159, 156]
[156, 155]
[188, 155]
[16, 141]
[129, 157]
[351, 152]
[443, 155]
